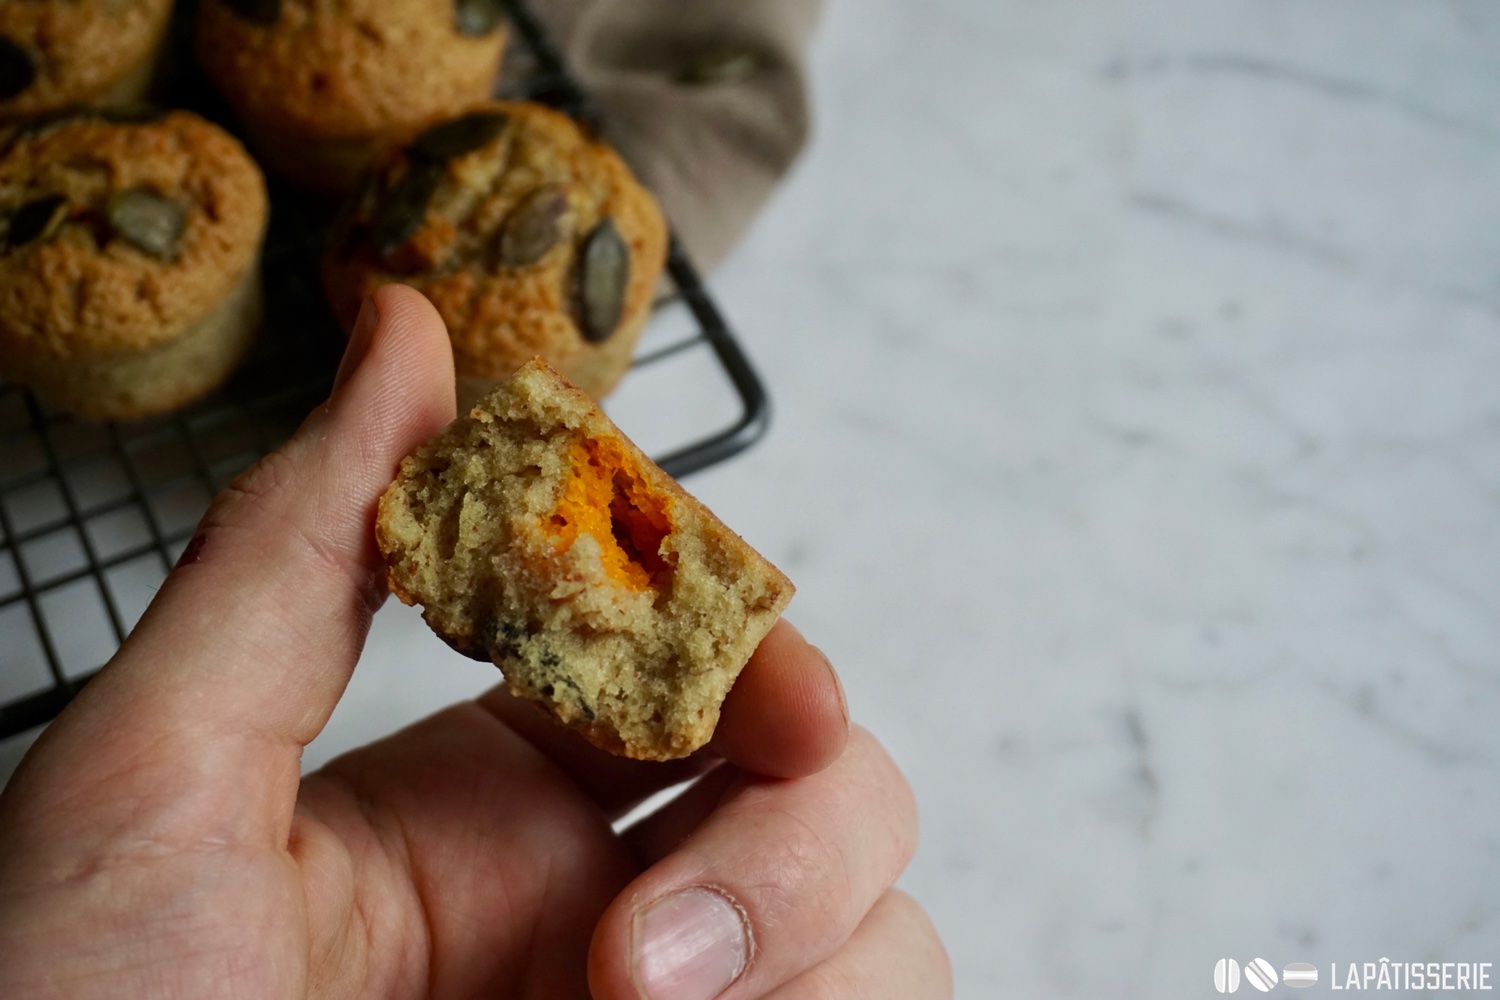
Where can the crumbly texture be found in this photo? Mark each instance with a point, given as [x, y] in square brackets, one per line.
[325, 86]
[536, 535]
[83, 306]
[82, 51]
[501, 314]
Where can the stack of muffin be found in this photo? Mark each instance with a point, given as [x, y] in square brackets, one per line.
[130, 237]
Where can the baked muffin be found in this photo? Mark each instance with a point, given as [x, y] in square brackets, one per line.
[128, 253]
[530, 237]
[320, 88]
[535, 535]
[56, 54]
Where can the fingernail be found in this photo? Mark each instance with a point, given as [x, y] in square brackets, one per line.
[690, 945]
[359, 341]
[838, 684]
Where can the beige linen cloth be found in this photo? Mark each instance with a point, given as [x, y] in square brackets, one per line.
[706, 99]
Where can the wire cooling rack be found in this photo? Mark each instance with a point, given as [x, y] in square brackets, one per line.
[92, 516]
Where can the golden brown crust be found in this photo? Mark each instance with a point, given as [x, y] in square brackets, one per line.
[127, 260]
[131, 385]
[499, 316]
[86, 292]
[352, 69]
[536, 535]
[79, 49]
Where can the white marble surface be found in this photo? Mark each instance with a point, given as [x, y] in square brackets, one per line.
[1139, 461]
[1137, 456]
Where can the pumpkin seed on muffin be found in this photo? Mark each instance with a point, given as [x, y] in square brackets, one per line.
[146, 220]
[36, 221]
[17, 69]
[401, 213]
[602, 282]
[454, 138]
[533, 227]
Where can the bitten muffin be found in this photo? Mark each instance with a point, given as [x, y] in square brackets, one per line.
[536, 535]
[530, 237]
[54, 54]
[321, 88]
[128, 260]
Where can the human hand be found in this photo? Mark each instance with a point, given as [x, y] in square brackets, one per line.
[158, 840]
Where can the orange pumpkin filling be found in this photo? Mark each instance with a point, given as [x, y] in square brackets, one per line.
[606, 497]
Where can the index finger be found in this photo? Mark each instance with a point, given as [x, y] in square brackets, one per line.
[785, 717]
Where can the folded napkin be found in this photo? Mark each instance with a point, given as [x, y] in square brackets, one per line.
[706, 99]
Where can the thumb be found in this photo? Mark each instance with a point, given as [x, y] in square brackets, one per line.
[250, 642]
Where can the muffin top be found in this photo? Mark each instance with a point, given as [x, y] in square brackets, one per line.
[116, 233]
[58, 52]
[528, 235]
[338, 68]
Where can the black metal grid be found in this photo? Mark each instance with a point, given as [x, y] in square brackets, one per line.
[92, 516]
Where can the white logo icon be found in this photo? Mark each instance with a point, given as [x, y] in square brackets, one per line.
[1260, 974]
[1299, 975]
[1227, 975]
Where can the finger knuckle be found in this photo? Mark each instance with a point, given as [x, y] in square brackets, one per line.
[255, 491]
[804, 892]
[916, 927]
[831, 981]
[884, 782]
